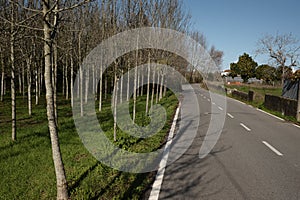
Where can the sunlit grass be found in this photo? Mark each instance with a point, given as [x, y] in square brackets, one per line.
[27, 168]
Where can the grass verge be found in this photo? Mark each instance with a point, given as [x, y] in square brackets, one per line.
[27, 168]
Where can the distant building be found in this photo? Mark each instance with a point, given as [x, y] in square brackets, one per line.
[238, 80]
[225, 73]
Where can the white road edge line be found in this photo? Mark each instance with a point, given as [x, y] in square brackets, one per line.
[272, 148]
[238, 101]
[162, 165]
[245, 127]
[270, 114]
[296, 125]
[220, 108]
[230, 115]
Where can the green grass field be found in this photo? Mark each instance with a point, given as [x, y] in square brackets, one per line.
[27, 170]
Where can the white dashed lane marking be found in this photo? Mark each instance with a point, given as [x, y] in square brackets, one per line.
[245, 127]
[229, 115]
[272, 148]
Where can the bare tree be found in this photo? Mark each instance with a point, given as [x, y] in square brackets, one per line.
[62, 191]
[2, 73]
[216, 56]
[158, 85]
[153, 88]
[72, 79]
[50, 29]
[148, 83]
[161, 84]
[100, 87]
[28, 63]
[283, 49]
[13, 33]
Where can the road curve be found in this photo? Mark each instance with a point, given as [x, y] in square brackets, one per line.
[256, 157]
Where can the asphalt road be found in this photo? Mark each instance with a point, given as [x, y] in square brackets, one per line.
[256, 157]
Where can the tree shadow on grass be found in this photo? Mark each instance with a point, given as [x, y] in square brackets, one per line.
[108, 185]
[75, 185]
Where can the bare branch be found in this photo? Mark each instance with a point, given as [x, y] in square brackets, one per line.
[74, 6]
[31, 28]
[24, 7]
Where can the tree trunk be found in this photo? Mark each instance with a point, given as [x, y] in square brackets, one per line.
[23, 80]
[134, 93]
[2, 78]
[283, 75]
[128, 83]
[4, 91]
[105, 89]
[148, 85]
[115, 101]
[41, 79]
[78, 85]
[66, 82]
[161, 87]
[111, 86]
[20, 81]
[54, 78]
[72, 80]
[142, 81]
[94, 82]
[81, 90]
[153, 89]
[36, 87]
[63, 78]
[29, 86]
[13, 81]
[61, 182]
[80, 74]
[135, 78]
[165, 88]
[298, 104]
[100, 88]
[138, 83]
[157, 87]
[87, 80]
[13, 92]
[121, 87]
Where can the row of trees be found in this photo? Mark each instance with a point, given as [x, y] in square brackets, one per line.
[43, 44]
[283, 51]
[247, 68]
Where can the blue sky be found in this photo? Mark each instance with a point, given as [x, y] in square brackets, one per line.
[235, 26]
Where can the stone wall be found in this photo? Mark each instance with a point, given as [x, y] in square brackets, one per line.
[287, 107]
[243, 95]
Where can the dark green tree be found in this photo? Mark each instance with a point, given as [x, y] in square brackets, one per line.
[234, 70]
[246, 67]
[266, 73]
